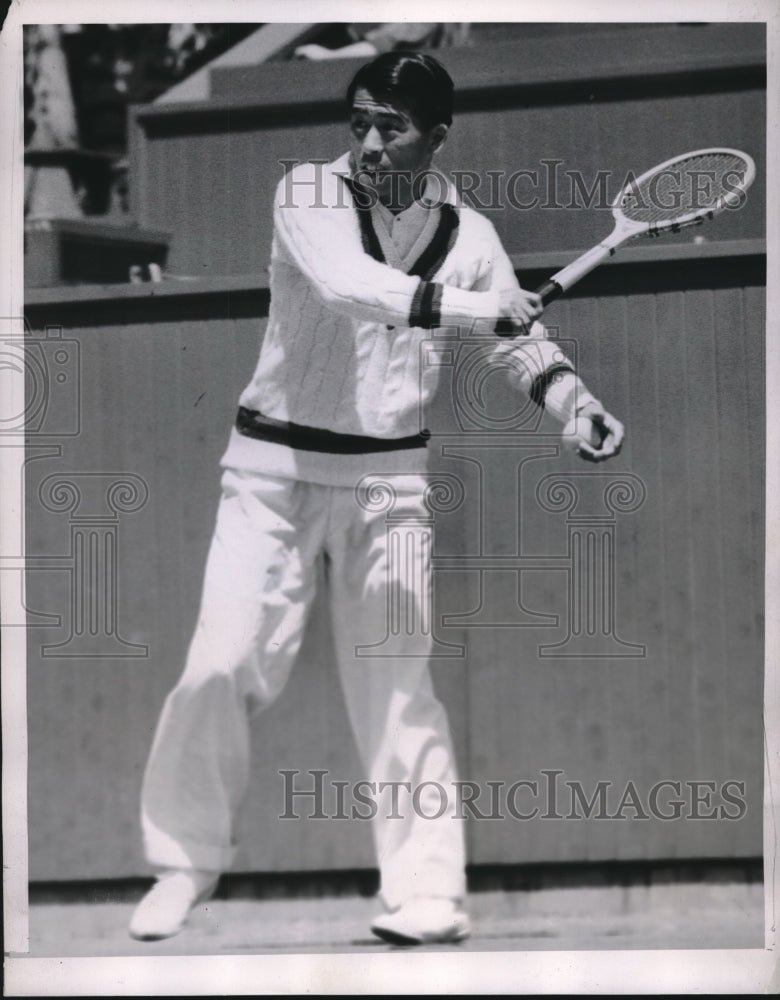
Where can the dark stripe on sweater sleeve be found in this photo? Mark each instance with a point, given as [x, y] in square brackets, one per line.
[438, 292]
[425, 310]
[542, 382]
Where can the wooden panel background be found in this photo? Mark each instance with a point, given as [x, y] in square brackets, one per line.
[681, 364]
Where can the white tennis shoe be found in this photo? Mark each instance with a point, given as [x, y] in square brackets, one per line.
[423, 921]
[165, 909]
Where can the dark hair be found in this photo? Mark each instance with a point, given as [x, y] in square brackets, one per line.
[413, 79]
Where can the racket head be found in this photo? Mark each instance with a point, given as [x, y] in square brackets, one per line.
[684, 190]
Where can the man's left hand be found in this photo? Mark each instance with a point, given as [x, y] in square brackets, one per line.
[611, 430]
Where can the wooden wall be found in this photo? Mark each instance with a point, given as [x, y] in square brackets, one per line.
[672, 338]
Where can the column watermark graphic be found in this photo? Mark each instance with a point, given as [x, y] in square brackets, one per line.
[42, 414]
[591, 557]
[93, 502]
[409, 546]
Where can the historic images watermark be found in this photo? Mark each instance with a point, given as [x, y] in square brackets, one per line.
[547, 796]
[544, 186]
[41, 377]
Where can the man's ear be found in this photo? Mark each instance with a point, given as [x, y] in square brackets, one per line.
[438, 136]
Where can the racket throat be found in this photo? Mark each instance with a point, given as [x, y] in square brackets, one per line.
[588, 262]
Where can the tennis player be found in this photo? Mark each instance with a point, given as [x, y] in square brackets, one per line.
[370, 254]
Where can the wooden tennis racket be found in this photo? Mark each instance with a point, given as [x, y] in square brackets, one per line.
[683, 191]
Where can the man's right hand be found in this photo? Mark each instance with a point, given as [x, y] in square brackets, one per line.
[518, 309]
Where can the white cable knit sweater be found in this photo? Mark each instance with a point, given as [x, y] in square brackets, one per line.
[344, 351]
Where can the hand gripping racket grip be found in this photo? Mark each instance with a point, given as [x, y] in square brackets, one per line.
[549, 290]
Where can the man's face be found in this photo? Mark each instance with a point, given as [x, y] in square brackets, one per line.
[387, 139]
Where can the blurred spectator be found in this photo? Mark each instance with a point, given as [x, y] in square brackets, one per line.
[372, 39]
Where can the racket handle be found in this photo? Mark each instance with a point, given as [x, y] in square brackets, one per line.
[549, 290]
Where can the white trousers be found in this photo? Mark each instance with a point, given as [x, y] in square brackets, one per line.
[258, 587]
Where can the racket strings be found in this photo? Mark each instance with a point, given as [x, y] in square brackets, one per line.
[695, 184]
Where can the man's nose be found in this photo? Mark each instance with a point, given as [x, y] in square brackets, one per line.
[372, 142]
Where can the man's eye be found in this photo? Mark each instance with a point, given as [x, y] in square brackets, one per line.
[359, 125]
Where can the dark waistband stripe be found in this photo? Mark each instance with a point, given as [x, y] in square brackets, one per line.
[252, 423]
